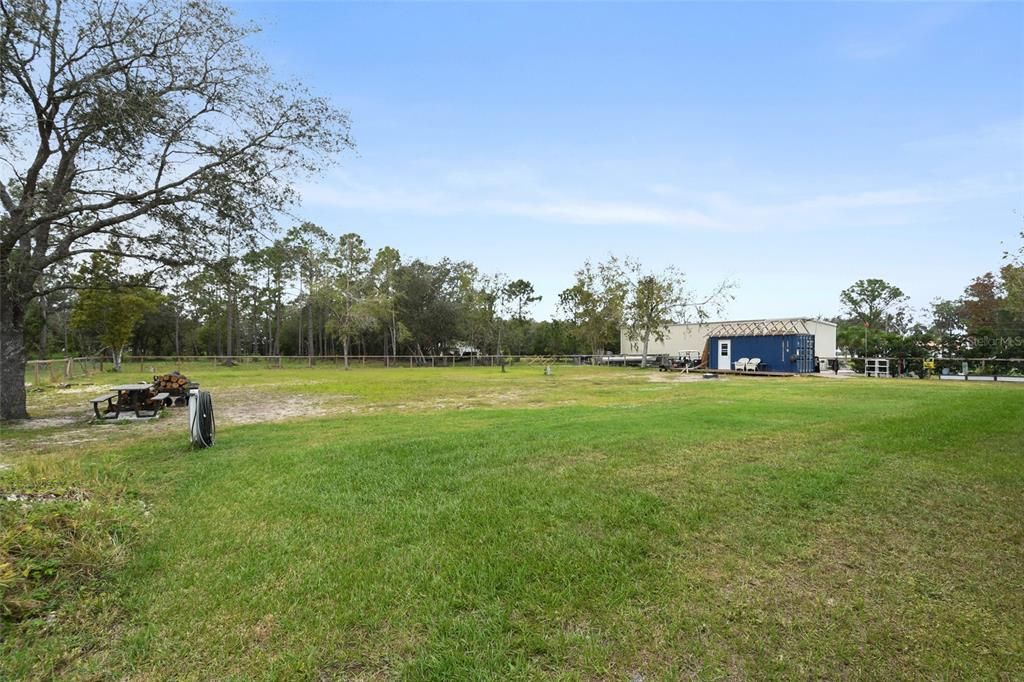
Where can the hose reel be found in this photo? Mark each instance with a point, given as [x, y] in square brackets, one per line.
[201, 423]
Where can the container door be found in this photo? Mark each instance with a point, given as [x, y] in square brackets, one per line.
[724, 354]
[805, 354]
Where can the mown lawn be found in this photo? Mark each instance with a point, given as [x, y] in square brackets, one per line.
[462, 523]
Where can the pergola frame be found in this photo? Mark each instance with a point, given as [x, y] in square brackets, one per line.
[759, 328]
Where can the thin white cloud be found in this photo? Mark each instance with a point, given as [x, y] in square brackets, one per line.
[711, 212]
[866, 49]
[567, 211]
[582, 212]
[1003, 136]
[896, 37]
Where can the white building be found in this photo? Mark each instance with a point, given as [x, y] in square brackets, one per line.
[691, 338]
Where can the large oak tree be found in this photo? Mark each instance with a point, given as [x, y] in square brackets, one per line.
[151, 122]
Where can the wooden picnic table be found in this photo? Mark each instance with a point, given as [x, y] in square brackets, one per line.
[134, 397]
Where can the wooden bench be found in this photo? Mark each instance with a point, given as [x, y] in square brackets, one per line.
[151, 404]
[103, 398]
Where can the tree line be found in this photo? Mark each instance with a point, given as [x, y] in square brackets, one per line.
[308, 293]
[985, 321]
[313, 294]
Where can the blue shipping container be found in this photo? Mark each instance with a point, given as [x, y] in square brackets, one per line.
[781, 353]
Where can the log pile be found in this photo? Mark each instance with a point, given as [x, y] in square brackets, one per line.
[173, 384]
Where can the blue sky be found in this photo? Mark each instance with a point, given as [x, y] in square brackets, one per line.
[793, 148]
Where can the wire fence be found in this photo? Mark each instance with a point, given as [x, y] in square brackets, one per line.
[58, 371]
[385, 361]
[38, 372]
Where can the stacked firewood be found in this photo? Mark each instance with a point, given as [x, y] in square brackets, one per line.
[174, 383]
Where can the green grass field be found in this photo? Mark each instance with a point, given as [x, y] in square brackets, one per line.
[463, 523]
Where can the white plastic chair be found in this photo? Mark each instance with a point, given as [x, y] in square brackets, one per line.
[740, 365]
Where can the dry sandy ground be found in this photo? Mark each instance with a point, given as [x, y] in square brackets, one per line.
[70, 417]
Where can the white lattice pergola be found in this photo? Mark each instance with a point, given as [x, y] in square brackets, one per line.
[759, 328]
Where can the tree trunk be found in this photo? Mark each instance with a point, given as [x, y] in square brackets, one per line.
[394, 333]
[12, 359]
[230, 329]
[344, 344]
[277, 326]
[501, 360]
[310, 346]
[229, 290]
[643, 359]
[116, 354]
[43, 306]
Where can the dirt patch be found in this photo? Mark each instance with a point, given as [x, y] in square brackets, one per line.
[42, 423]
[75, 428]
[67, 438]
[230, 409]
[68, 423]
[74, 389]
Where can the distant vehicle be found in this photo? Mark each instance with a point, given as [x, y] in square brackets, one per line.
[684, 359]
